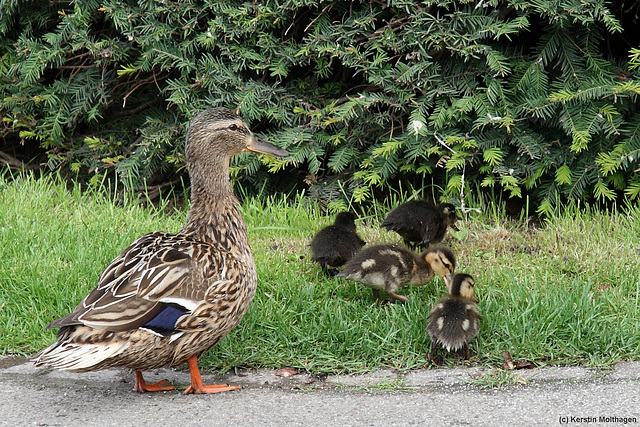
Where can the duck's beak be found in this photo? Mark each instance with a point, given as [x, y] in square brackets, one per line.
[447, 280]
[474, 299]
[258, 145]
[454, 227]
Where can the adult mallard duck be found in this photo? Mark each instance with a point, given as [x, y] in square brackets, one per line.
[168, 298]
[336, 244]
[389, 267]
[420, 223]
[455, 319]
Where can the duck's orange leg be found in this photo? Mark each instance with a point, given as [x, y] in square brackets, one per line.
[196, 386]
[142, 386]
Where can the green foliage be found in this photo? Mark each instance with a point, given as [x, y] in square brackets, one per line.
[553, 294]
[519, 96]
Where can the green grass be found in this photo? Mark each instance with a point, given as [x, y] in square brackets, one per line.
[565, 293]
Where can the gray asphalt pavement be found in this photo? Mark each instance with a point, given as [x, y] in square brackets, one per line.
[435, 397]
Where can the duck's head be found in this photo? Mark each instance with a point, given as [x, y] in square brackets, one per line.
[441, 260]
[345, 219]
[462, 286]
[449, 213]
[222, 132]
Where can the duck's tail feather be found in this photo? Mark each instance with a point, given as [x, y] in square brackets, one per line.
[71, 353]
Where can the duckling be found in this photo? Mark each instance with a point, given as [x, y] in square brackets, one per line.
[420, 223]
[455, 319]
[169, 298]
[336, 244]
[389, 267]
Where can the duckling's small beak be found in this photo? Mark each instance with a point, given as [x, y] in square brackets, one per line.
[474, 299]
[454, 227]
[447, 280]
[258, 145]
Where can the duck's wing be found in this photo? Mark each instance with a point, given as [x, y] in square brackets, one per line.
[150, 284]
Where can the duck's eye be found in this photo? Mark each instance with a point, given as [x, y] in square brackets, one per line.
[233, 126]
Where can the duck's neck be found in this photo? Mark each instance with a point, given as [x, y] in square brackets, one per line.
[421, 272]
[454, 292]
[215, 216]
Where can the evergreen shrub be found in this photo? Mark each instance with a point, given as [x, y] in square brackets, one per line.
[524, 97]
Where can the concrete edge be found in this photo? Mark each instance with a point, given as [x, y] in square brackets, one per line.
[381, 380]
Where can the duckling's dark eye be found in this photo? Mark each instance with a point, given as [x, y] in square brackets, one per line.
[233, 126]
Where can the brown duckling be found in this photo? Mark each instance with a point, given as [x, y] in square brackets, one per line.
[336, 244]
[170, 297]
[389, 267]
[420, 223]
[455, 319]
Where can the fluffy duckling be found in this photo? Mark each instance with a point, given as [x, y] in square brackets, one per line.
[169, 298]
[389, 267]
[420, 223]
[455, 319]
[336, 244]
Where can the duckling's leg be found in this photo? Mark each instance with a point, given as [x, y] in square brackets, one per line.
[464, 352]
[436, 360]
[398, 298]
[196, 386]
[142, 386]
[410, 245]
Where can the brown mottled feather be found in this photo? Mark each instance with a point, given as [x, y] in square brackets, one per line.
[206, 271]
[390, 267]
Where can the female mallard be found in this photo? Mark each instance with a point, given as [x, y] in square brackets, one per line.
[336, 244]
[389, 267]
[168, 298]
[455, 319]
[420, 223]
